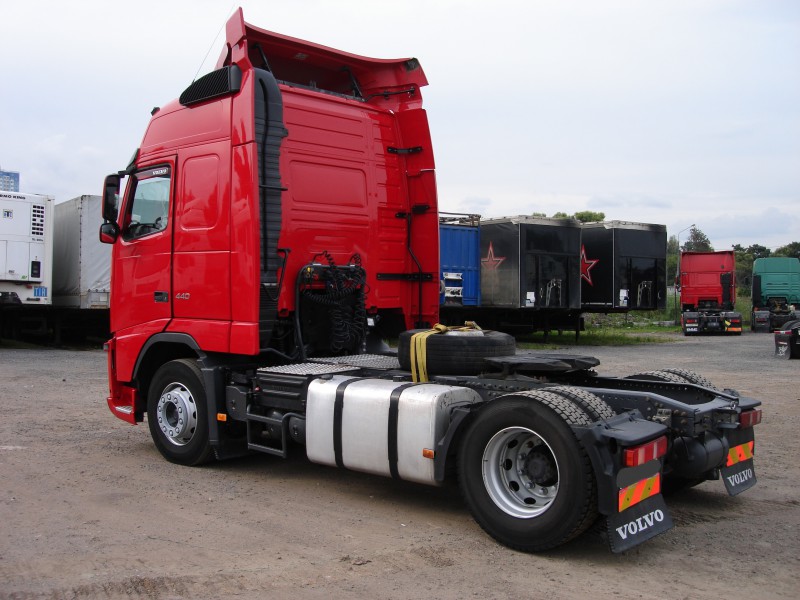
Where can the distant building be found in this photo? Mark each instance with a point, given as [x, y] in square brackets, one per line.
[9, 181]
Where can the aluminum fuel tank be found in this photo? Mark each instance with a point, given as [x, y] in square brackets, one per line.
[382, 427]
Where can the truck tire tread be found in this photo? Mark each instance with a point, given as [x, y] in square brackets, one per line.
[596, 408]
[186, 376]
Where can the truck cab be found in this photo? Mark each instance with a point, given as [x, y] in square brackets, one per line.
[775, 292]
[217, 244]
[708, 293]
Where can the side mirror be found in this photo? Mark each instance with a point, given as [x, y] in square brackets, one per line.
[109, 232]
[111, 198]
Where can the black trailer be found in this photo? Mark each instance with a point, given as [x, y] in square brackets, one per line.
[623, 266]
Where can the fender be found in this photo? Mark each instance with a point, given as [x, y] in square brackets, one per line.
[212, 368]
[178, 339]
[625, 430]
[458, 417]
[150, 359]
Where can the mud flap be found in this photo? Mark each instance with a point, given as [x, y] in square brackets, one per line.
[638, 524]
[739, 477]
[738, 472]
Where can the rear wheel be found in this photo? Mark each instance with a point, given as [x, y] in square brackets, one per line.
[675, 376]
[594, 407]
[691, 377]
[177, 413]
[661, 375]
[524, 475]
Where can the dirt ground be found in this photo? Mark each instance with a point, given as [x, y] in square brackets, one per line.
[89, 509]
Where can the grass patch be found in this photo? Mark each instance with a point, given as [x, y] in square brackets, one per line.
[655, 327]
[601, 336]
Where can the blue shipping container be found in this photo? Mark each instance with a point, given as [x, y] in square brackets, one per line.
[460, 263]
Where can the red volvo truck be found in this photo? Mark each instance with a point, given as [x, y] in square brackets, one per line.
[277, 220]
[708, 293]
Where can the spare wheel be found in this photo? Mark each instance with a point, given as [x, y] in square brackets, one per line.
[457, 352]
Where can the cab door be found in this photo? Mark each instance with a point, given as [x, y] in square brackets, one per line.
[141, 284]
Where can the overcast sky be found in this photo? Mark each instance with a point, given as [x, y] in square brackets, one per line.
[676, 112]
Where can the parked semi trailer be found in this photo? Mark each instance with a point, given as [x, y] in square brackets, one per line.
[26, 260]
[514, 274]
[623, 266]
[26, 249]
[775, 292]
[708, 293]
[272, 218]
[71, 296]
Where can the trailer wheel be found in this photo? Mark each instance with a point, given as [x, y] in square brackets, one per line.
[177, 413]
[525, 477]
[457, 353]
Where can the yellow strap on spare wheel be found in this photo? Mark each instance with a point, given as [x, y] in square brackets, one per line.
[419, 344]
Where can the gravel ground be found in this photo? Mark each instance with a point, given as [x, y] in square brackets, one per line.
[89, 509]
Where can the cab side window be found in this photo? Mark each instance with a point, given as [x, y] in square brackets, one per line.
[148, 213]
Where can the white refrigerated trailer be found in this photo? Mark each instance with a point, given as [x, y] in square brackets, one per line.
[26, 249]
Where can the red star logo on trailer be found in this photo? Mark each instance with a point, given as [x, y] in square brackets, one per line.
[491, 261]
[587, 265]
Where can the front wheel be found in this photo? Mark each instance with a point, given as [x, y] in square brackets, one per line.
[524, 475]
[177, 413]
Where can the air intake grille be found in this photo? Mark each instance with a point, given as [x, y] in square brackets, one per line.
[37, 220]
[217, 83]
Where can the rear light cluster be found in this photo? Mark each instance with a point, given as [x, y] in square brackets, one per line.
[639, 455]
[748, 418]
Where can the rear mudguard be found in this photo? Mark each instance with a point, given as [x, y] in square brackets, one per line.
[629, 497]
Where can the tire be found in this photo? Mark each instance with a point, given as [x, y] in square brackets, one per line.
[529, 503]
[454, 353]
[594, 407]
[675, 376]
[692, 377]
[177, 413]
[658, 376]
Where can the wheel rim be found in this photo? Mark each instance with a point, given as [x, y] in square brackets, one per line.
[177, 414]
[520, 472]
